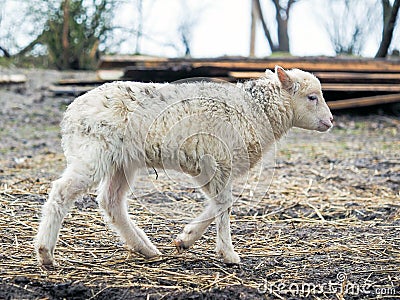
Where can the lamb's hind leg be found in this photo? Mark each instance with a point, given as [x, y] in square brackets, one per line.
[62, 195]
[112, 199]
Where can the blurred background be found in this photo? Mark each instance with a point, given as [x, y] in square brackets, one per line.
[73, 34]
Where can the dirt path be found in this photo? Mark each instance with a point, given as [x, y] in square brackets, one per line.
[322, 221]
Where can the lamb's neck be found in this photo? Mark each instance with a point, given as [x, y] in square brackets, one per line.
[276, 107]
[280, 116]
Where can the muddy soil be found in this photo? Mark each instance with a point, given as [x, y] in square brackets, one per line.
[320, 221]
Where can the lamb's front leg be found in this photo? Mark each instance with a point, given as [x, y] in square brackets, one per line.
[195, 229]
[219, 209]
[224, 239]
[221, 193]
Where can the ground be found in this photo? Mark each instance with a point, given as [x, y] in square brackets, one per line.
[319, 220]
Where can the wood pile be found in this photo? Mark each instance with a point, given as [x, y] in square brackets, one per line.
[346, 82]
[12, 79]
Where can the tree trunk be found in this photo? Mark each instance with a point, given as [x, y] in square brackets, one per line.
[65, 35]
[282, 18]
[254, 18]
[388, 29]
[387, 9]
[283, 36]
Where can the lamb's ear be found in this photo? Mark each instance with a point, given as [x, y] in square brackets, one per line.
[286, 82]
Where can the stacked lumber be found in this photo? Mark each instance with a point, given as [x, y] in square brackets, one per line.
[311, 64]
[12, 79]
[346, 82]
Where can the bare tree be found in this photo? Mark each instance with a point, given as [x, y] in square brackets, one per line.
[390, 13]
[72, 31]
[185, 36]
[282, 14]
[65, 33]
[5, 52]
[139, 29]
[348, 24]
[189, 18]
[2, 47]
[254, 17]
[141, 12]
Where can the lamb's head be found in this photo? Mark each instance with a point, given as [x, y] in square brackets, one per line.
[310, 110]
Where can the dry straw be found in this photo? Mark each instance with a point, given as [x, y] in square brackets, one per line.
[332, 207]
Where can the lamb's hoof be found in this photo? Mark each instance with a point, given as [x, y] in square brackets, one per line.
[149, 253]
[230, 258]
[45, 258]
[180, 245]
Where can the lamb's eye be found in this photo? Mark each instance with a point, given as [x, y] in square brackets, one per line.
[312, 98]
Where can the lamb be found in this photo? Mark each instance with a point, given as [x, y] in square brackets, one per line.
[213, 131]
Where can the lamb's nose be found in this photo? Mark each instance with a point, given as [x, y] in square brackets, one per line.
[331, 118]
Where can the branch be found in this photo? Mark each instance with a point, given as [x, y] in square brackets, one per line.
[388, 33]
[38, 40]
[264, 25]
[289, 6]
[290, 3]
[277, 5]
[6, 53]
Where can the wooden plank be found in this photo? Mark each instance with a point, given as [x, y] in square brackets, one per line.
[340, 87]
[364, 101]
[360, 66]
[13, 78]
[74, 81]
[368, 77]
[343, 77]
[164, 74]
[245, 74]
[365, 65]
[110, 75]
[242, 63]
[69, 90]
[349, 87]
[122, 61]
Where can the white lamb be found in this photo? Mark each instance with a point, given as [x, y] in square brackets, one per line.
[212, 131]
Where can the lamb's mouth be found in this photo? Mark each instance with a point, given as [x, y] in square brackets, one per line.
[325, 125]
